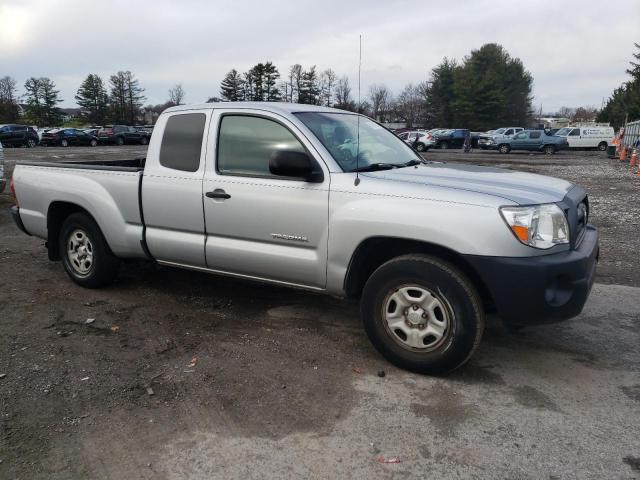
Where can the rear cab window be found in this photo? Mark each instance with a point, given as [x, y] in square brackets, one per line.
[182, 141]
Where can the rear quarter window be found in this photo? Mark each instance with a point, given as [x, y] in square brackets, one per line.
[182, 142]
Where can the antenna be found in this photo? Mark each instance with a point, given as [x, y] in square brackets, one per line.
[357, 181]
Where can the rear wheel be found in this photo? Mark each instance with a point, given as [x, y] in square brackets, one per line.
[120, 141]
[421, 147]
[504, 148]
[422, 314]
[31, 143]
[93, 142]
[602, 146]
[549, 149]
[87, 258]
[64, 142]
[444, 145]
[144, 141]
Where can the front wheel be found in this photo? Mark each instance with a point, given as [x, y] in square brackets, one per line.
[64, 142]
[421, 147]
[93, 142]
[87, 258]
[422, 314]
[31, 143]
[549, 149]
[144, 141]
[504, 148]
[120, 141]
[444, 145]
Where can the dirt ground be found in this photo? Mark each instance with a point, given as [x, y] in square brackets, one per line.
[173, 374]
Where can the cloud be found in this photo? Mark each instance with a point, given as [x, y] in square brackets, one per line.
[574, 52]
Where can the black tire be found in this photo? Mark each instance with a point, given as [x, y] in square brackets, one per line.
[463, 304]
[602, 146]
[119, 141]
[93, 143]
[444, 145]
[103, 268]
[504, 148]
[144, 141]
[421, 147]
[549, 149]
[64, 142]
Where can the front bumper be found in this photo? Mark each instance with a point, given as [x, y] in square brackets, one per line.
[15, 213]
[542, 289]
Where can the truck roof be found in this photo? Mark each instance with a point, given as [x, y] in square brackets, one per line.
[282, 107]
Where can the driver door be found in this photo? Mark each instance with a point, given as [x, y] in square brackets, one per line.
[257, 224]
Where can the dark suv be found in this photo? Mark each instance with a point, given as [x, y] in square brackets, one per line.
[122, 134]
[450, 138]
[68, 136]
[18, 135]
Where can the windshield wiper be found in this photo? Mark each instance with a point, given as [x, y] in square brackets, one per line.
[413, 163]
[374, 167]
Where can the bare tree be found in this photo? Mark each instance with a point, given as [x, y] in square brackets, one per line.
[566, 112]
[380, 98]
[176, 94]
[410, 105]
[343, 98]
[327, 86]
[295, 81]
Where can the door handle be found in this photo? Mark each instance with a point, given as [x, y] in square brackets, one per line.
[218, 193]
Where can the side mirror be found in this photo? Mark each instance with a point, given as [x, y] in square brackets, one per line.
[287, 163]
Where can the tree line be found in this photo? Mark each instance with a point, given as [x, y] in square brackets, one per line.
[118, 101]
[487, 88]
[624, 102]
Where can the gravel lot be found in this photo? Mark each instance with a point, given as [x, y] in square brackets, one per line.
[187, 375]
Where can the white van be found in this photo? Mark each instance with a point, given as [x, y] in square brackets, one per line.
[587, 137]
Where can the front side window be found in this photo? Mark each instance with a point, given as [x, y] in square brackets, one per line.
[520, 136]
[182, 142]
[509, 132]
[575, 132]
[339, 133]
[535, 135]
[246, 143]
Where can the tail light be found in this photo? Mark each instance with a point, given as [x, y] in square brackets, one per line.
[12, 187]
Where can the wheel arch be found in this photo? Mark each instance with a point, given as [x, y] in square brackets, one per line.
[372, 252]
[57, 213]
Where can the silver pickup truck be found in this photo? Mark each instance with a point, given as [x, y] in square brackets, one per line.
[330, 201]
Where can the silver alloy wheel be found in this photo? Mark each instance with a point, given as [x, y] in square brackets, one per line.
[80, 252]
[31, 143]
[64, 142]
[504, 149]
[417, 318]
[94, 143]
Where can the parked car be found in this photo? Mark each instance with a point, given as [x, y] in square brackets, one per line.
[285, 198]
[3, 182]
[418, 139]
[452, 138]
[532, 140]
[498, 136]
[122, 134]
[18, 135]
[66, 137]
[587, 137]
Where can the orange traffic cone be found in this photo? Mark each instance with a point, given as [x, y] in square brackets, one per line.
[634, 157]
[623, 153]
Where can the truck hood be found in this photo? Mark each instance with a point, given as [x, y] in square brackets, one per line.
[518, 187]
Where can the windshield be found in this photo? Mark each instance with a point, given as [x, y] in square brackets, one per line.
[563, 132]
[338, 132]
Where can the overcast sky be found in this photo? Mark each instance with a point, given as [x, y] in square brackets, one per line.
[577, 51]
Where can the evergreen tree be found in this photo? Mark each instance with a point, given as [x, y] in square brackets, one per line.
[439, 93]
[624, 102]
[126, 97]
[42, 101]
[271, 93]
[8, 103]
[232, 87]
[309, 90]
[92, 97]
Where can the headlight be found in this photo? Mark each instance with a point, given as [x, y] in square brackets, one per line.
[539, 226]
